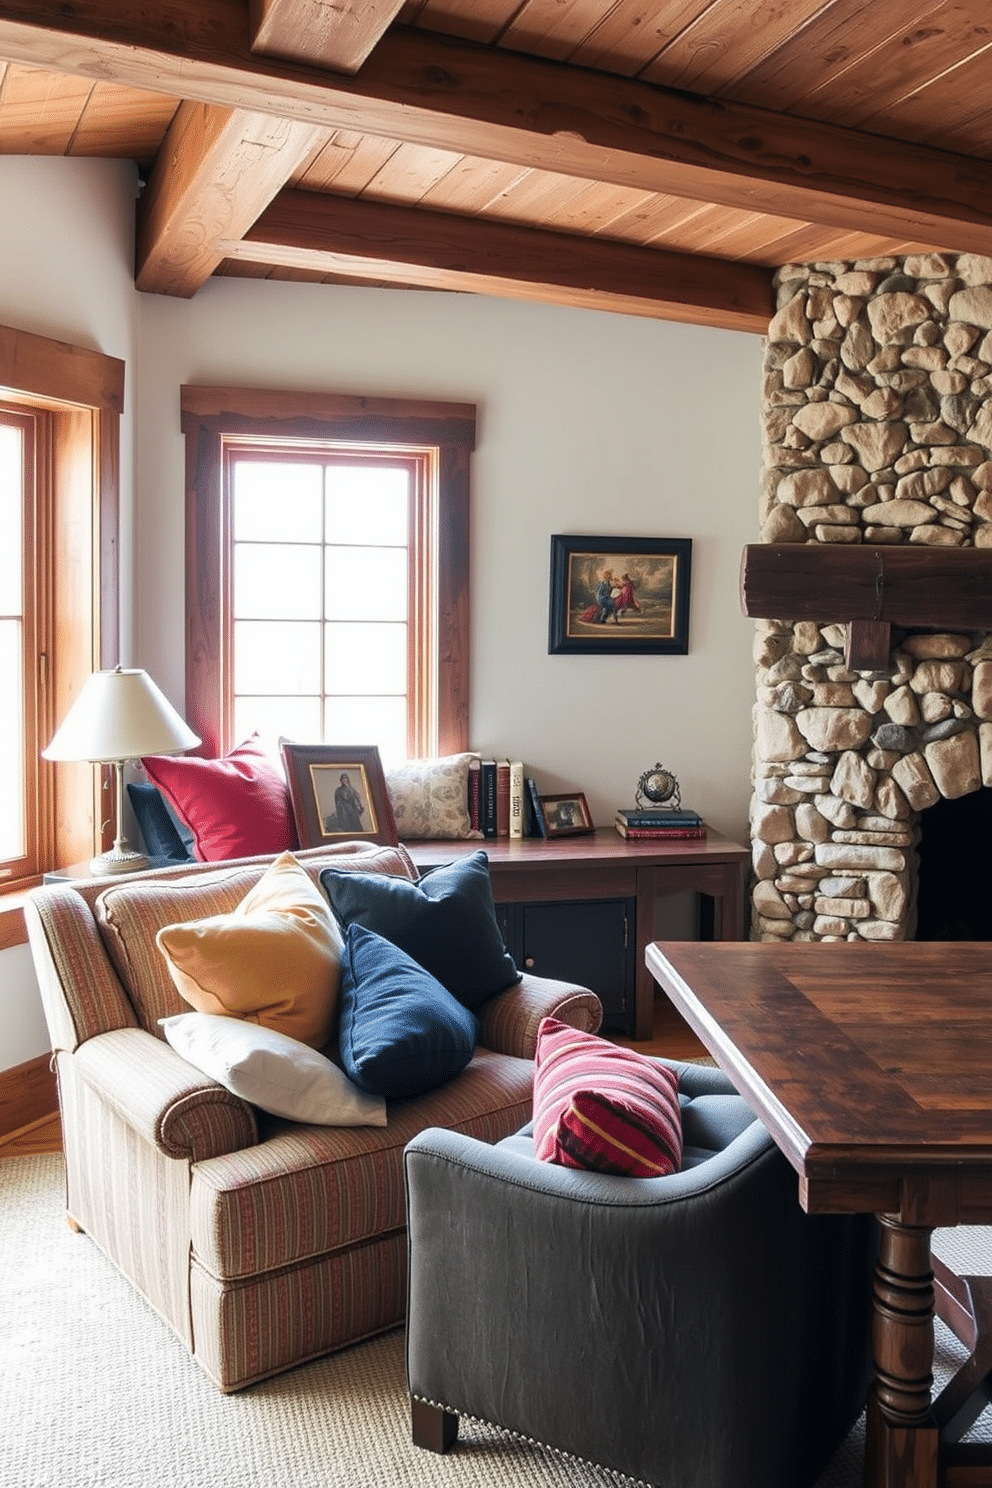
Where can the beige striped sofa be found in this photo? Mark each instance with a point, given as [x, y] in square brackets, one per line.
[261, 1242]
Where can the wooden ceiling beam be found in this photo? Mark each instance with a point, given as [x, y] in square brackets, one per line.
[439, 250]
[453, 95]
[324, 33]
[217, 169]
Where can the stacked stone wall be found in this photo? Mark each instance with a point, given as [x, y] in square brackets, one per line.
[877, 424]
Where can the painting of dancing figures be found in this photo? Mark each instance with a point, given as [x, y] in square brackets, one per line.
[619, 594]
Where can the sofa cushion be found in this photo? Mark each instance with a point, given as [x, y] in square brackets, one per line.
[131, 912]
[603, 1107]
[235, 807]
[274, 959]
[446, 921]
[307, 1191]
[130, 915]
[401, 1033]
[278, 1074]
[430, 797]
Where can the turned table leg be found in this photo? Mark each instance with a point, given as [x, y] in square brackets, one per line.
[901, 1445]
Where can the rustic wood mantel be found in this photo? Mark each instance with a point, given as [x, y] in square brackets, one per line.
[869, 589]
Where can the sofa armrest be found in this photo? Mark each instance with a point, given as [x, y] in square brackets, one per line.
[81, 993]
[510, 1021]
[163, 1098]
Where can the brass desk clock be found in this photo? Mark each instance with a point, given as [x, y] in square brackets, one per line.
[658, 787]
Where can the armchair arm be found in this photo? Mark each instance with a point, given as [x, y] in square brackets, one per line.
[162, 1097]
[509, 1022]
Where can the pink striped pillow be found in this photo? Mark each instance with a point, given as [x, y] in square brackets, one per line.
[603, 1107]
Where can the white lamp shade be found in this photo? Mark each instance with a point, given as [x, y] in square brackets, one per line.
[120, 715]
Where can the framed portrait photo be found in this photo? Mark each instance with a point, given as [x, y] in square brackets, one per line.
[625, 595]
[338, 792]
[565, 816]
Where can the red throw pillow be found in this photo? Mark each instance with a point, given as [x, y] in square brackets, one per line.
[236, 807]
[603, 1107]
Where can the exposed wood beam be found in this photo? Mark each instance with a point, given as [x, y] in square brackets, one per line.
[871, 588]
[218, 168]
[453, 95]
[438, 250]
[906, 585]
[337, 34]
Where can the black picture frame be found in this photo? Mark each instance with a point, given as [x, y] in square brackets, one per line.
[315, 772]
[652, 573]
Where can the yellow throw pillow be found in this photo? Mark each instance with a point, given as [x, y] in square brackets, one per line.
[274, 960]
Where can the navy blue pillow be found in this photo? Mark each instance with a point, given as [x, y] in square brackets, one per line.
[446, 921]
[400, 1033]
[163, 837]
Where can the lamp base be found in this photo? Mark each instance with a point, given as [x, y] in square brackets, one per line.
[118, 860]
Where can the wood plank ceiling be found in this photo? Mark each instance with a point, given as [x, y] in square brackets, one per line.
[654, 157]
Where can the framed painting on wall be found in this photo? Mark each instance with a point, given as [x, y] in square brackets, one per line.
[625, 595]
[338, 792]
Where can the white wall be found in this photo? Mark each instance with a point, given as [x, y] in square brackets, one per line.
[588, 423]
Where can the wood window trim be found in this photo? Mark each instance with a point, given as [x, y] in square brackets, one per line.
[83, 391]
[210, 413]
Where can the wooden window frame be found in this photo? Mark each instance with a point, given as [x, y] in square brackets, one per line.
[82, 395]
[36, 567]
[209, 414]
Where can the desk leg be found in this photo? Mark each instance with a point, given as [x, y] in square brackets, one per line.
[901, 1441]
[647, 897]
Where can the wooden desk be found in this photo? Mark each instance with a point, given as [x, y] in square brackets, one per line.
[605, 865]
[871, 1066]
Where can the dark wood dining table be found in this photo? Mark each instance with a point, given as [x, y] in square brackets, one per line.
[871, 1066]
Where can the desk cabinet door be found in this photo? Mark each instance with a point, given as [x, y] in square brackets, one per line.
[589, 941]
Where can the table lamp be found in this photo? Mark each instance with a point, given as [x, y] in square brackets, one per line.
[119, 715]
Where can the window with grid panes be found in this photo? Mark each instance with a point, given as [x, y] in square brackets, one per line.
[331, 585]
[59, 460]
[327, 545]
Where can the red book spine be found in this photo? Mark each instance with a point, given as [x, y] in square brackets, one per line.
[661, 833]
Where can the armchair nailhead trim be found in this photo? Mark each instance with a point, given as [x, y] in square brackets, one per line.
[532, 1441]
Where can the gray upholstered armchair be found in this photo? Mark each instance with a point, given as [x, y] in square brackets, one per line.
[693, 1331]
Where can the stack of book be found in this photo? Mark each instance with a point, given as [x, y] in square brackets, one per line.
[657, 822]
[497, 798]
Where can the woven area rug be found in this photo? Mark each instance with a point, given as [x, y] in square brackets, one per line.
[96, 1392]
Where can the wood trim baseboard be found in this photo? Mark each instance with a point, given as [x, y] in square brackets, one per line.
[28, 1092]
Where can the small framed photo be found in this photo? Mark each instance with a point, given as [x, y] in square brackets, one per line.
[621, 595]
[565, 816]
[337, 792]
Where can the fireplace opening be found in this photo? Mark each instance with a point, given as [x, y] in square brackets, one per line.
[954, 893]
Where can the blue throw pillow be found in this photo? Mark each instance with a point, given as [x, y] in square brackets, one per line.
[161, 832]
[446, 921]
[401, 1033]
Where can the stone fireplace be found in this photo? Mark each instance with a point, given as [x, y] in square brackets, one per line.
[877, 425]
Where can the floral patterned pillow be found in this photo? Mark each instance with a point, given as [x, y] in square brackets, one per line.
[430, 797]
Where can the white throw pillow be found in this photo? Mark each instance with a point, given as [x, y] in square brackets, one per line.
[430, 797]
[272, 1070]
